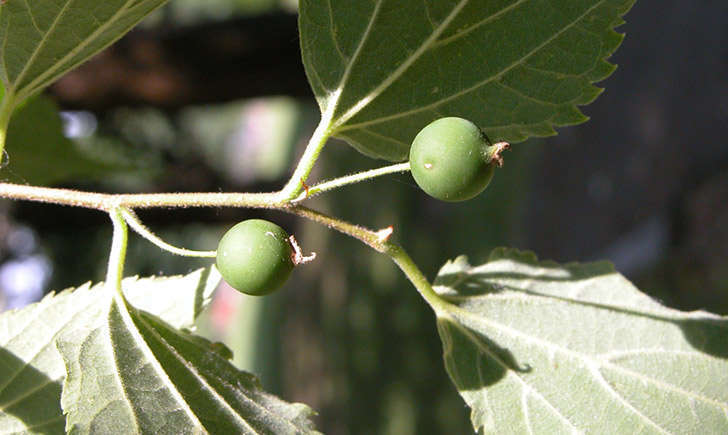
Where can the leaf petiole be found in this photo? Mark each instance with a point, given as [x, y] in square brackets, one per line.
[7, 103]
[308, 159]
[117, 254]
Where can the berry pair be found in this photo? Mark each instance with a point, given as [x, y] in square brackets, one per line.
[450, 159]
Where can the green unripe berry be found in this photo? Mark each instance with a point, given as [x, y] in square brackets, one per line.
[255, 257]
[449, 159]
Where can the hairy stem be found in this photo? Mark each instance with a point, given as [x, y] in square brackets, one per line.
[115, 269]
[118, 207]
[6, 110]
[308, 159]
[416, 277]
[351, 179]
[378, 240]
[107, 202]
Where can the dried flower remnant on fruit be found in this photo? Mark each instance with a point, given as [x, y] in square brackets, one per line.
[297, 255]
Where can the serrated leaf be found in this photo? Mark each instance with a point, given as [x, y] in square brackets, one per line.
[43, 39]
[536, 347]
[131, 372]
[44, 156]
[383, 69]
[32, 370]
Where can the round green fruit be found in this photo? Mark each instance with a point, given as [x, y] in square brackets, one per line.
[255, 257]
[449, 159]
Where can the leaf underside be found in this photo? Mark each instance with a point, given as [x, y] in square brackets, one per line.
[128, 370]
[383, 69]
[536, 347]
[43, 39]
[148, 377]
[32, 371]
[26, 142]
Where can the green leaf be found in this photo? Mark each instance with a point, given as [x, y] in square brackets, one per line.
[541, 348]
[177, 299]
[39, 153]
[383, 69]
[129, 370]
[43, 39]
[32, 370]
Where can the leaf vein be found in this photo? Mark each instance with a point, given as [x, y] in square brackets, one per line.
[470, 89]
[352, 60]
[40, 349]
[484, 21]
[26, 393]
[526, 414]
[131, 328]
[526, 96]
[44, 39]
[510, 372]
[201, 379]
[46, 422]
[32, 18]
[81, 46]
[383, 137]
[610, 356]
[619, 398]
[663, 385]
[402, 68]
[596, 362]
[333, 32]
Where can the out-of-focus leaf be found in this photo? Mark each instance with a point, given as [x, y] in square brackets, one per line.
[43, 39]
[383, 69]
[536, 347]
[38, 153]
[32, 370]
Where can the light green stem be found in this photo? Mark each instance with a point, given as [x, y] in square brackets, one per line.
[115, 269]
[6, 110]
[351, 179]
[378, 240]
[107, 202]
[416, 277]
[308, 159]
[131, 218]
[119, 208]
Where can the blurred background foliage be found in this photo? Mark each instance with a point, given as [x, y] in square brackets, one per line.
[211, 96]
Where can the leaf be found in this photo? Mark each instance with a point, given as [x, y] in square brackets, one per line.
[32, 370]
[383, 69]
[39, 153]
[541, 348]
[178, 299]
[43, 39]
[129, 370]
